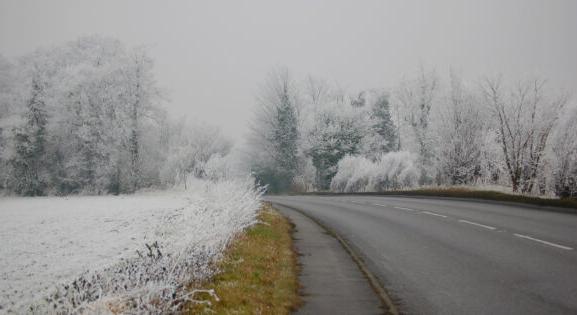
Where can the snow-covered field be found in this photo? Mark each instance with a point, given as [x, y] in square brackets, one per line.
[91, 254]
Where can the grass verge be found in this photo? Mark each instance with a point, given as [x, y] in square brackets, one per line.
[459, 192]
[258, 271]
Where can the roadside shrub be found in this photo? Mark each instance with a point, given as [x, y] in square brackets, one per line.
[393, 170]
[354, 174]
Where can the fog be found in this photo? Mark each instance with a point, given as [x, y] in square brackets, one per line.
[211, 56]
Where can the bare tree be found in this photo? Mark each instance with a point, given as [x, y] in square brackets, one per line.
[524, 120]
[460, 135]
[416, 99]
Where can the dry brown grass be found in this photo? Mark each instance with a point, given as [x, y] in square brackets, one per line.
[259, 271]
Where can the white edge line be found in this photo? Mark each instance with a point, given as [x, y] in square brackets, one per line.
[543, 242]
[435, 214]
[479, 224]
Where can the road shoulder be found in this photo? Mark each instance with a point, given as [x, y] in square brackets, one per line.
[257, 273]
[331, 282]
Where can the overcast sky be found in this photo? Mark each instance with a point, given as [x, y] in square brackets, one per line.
[212, 55]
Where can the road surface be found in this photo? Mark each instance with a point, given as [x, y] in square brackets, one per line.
[438, 256]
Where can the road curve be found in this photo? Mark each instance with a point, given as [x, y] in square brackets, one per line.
[437, 256]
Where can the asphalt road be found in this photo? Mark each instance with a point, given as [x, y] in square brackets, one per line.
[457, 257]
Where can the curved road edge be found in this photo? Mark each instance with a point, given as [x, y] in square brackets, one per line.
[375, 285]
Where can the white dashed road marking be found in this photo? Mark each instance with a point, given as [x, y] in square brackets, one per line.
[406, 209]
[478, 224]
[435, 214]
[543, 242]
[488, 227]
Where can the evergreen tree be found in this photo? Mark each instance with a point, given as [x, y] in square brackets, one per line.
[90, 148]
[383, 124]
[7, 83]
[284, 140]
[30, 141]
[275, 134]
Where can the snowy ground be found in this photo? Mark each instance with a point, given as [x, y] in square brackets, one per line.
[49, 242]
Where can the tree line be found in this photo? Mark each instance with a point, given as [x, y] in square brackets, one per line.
[88, 117]
[310, 135]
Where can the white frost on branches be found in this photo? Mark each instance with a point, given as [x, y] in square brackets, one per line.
[518, 138]
[395, 170]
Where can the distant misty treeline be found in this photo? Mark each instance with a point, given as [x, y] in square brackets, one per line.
[85, 117]
[310, 135]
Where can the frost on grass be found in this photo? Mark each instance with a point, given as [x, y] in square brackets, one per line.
[131, 254]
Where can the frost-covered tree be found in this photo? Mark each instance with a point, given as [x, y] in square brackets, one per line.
[29, 161]
[524, 117]
[416, 99]
[382, 126]
[493, 169]
[191, 147]
[90, 129]
[102, 128]
[565, 156]
[285, 135]
[7, 86]
[275, 132]
[337, 132]
[460, 135]
[7, 79]
[425, 133]
[140, 94]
